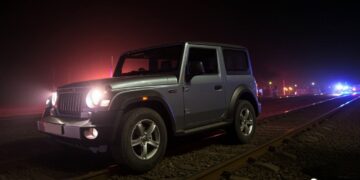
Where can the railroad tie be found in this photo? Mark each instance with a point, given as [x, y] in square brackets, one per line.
[269, 166]
[288, 155]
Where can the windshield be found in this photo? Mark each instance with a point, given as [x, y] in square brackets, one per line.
[165, 60]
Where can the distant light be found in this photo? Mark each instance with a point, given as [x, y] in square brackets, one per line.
[339, 86]
[145, 98]
[295, 85]
[286, 89]
[313, 83]
[47, 101]
[354, 88]
[270, 82]
[290, 88]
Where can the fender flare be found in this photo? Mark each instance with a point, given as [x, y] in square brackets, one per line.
[122, 100]
[239, 93]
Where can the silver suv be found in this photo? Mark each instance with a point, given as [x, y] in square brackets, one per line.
[158, 92]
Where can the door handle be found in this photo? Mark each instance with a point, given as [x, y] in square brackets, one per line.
[172, 91]
[186, 89]
[218, 87]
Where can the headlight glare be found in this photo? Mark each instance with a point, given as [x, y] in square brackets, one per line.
[53, 98]
[94, 97]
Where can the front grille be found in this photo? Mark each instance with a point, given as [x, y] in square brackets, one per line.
[70, 103]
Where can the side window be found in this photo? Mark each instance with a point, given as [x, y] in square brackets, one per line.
[202, 61]
[236, 61]
[135, 64]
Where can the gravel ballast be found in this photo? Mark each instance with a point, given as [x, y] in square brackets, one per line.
[328, 151]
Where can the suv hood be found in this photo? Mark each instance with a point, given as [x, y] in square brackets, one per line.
[125, 82]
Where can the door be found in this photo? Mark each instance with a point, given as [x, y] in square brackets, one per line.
[204, 97]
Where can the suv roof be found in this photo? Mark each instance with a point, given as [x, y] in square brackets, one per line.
[183, 43]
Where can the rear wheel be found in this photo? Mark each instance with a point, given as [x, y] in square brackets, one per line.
[141, 140]
[244, 122]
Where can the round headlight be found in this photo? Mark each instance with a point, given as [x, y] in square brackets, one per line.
[53, 98]
[94, 97]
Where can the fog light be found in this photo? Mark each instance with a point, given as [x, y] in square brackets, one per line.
[91, 133]
[47, 102]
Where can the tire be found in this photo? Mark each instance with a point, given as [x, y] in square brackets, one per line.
[141, 140]
[244, 125]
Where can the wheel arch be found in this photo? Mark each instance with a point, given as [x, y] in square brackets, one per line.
[242, 93]
[126, 101]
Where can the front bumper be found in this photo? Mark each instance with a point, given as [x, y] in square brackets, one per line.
[55, 126]
[71, 131]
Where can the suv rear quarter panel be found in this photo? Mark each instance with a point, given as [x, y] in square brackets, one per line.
[239, 82]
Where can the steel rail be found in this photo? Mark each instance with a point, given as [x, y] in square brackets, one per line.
[250, 156]
[298, 108]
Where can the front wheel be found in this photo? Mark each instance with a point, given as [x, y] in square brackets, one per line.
[141, 140]
[244, 122]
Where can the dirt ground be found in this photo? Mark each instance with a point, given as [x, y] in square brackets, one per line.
[329, 151]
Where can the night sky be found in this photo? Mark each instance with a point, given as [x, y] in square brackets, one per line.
[49, 43]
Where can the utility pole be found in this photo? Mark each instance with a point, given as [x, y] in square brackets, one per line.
[53, 79]
[112, 66]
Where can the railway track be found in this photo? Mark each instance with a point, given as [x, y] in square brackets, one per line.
[212, 160]
[287, 130]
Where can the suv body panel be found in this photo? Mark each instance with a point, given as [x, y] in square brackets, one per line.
[201, 88]
[207, 101]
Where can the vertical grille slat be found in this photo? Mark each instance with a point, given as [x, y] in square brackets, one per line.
[74, 104]
[70, 103]
[71, 109]
[79, 103]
